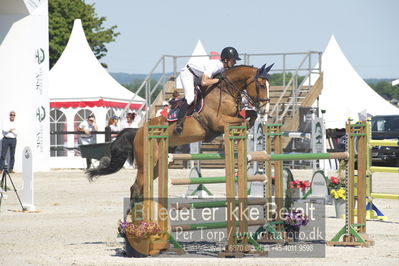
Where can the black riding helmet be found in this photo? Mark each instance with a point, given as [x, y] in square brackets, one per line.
[229, 53]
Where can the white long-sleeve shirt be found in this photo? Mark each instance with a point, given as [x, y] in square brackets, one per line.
[209, 68]
[9, 129]
[134, 124]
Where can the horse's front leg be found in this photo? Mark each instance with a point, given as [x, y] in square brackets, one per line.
[136, 191]
[136, 197]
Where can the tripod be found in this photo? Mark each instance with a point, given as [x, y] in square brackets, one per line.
[3, 184]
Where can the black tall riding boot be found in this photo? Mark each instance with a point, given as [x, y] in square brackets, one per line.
[180, 118]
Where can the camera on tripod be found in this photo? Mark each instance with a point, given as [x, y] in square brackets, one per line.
[3, 184]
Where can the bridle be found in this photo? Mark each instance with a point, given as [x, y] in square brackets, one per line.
[242, 93]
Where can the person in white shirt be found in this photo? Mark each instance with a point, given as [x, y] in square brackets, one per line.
[164, 111]
[88, 126]
[199, 73]
[133, 120]
[9, 142]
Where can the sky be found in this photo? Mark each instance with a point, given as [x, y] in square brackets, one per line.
[366, 30]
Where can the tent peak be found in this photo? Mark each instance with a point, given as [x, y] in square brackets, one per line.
[78, 73]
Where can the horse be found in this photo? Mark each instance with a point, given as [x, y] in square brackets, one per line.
[222, 104]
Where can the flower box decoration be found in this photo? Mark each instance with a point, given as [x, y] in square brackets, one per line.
[298, 188]
[337, 189]
[293, 220]
[138, 236]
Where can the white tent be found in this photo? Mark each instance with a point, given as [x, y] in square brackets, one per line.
[199, 55]
[79, 85]
[24, 76]
[78, 76]
[345, 94]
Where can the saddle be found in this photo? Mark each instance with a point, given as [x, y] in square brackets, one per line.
[195, 107]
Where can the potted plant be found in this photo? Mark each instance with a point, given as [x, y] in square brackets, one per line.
[337, 188]
[298, 188]
[293, 220]
[138, 236]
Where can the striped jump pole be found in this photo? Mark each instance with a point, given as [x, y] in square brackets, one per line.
[195, 156]
[214, 204]
[214, 225]
[384, 196]
[213, 180]
[296, 135]
[380, 169]
[263, 156]
[384, 142]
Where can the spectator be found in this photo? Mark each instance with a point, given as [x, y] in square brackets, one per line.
[110, 128]
[132, 120]
[164, 111]
[88, 126]
[9, 142]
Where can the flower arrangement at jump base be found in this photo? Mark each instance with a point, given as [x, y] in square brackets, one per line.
[337, 186]
[139, 236]
[138, 230]
[298, 188]
[297, 184]
[338, 194]
[293, 220]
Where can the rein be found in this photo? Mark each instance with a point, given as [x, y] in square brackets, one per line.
[241, 91]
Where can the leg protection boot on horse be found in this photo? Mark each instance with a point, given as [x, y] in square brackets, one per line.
[181, 117]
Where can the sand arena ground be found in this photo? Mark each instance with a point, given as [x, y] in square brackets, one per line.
[77, 225]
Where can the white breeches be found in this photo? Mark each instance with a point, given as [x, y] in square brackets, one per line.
[187, 80]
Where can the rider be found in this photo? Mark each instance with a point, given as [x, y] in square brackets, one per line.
[202, 73]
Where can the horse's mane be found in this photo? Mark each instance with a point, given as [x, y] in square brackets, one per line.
[231, 69]
[219, 75]
[238, 66]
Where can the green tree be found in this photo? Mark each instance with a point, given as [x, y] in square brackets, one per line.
[277, 79]
[385, 89]
[62, 13]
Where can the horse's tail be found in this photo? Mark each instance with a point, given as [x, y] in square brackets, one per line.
[121, 149]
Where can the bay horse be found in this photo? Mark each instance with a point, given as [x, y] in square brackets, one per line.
[222, 104]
